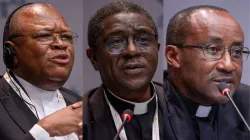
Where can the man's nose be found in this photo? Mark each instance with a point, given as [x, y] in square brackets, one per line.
[131, 49]
[225, 63]
[58, 43]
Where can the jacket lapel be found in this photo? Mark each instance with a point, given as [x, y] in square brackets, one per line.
[227, 116]
[101, 121]
[178, 116]
[168, 131]
[16, 107]
[69, 96]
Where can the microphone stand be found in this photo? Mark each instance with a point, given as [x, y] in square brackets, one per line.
[120, 129]
[238, 111]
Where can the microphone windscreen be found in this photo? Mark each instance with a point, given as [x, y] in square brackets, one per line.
[127, 113]
[222, 86]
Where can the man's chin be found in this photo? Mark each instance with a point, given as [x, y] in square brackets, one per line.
[59, 79]
[56, 79]
[136, 85]
[220, 99]
[57, 75]
[223, 100]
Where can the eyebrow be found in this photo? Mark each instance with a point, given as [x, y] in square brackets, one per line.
[240, 43]
[51, 28]
[139, 30]
[112, 33]
[215, 39]
[144, 30]
[219, 40]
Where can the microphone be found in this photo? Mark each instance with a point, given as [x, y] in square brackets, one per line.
[126, 117]
[223, 88]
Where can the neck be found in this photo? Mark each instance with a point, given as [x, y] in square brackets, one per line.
[134, 96]
[191, 94]
[44, 83]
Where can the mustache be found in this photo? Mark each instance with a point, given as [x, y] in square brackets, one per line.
[225, 77]
[221, 74]
[133, 60]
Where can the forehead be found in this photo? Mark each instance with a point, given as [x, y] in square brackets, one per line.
[208, 24]
[40, 17]
[127, 22]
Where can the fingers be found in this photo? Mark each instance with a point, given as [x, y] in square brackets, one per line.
[80, 137]
[77, 105]
[79, 132]
[80, 125]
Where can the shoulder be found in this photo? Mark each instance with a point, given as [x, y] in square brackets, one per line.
[242, 98]
[243, 88]
[158, 86]
[70, 95]
[3, 82]
[4, 87]
[159, 90]
[242, 94]
[93, 104]
[92, 94]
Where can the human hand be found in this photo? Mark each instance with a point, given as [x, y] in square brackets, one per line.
[64, 121]
[79, 133]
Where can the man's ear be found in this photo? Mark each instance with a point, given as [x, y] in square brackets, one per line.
[172, 55]
[92, 57]
[15, 52]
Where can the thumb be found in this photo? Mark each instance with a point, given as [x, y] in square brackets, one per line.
[77, 105]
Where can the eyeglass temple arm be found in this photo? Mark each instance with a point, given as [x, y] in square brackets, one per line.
[246, 52]
[193, 46]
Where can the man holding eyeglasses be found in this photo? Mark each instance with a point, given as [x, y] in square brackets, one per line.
[123, 47]
[205, 46]
[39, 54]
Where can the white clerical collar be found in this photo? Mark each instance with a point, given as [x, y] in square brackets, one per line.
[35, 92]
[139, 108]
[203, 111]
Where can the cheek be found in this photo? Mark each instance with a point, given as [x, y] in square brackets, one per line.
[71, 53]
[152, 60]
[115, 65]
[207, 68]
[107, 64]
[238, 70]
[38, 56]
[196, 70]
[44, 60]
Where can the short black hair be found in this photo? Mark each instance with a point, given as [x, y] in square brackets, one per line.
[177, 29]
[95, 25]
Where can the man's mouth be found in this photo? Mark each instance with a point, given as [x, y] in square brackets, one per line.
[133, 68]
[62, 59]
[224, 79]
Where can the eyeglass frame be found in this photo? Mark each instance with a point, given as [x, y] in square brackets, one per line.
[221, 55]
[36, 36]
[127, 39]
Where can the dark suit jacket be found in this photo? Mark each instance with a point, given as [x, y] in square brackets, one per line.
[229, 124]
[16, 119]
[97, 119]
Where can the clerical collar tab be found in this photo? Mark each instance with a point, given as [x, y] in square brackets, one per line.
[139, 108]
[203, 111]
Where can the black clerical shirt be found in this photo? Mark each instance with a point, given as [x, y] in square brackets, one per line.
[140, 126]
[205, 127]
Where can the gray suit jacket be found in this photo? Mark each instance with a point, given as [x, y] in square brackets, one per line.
[16, 119]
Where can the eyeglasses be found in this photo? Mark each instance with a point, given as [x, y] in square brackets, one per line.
[48, 37]
[143, 43]
[216, 51]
